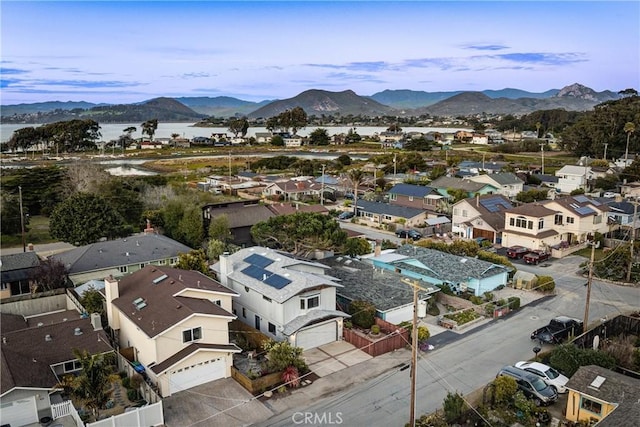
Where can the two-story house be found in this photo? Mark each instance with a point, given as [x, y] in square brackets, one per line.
[572, 178]
[444, 183]
[507, 183]
[626, 215]
[177, 324]
[548, 223]
[119, 257]
[415, 196]
[16, 273]
[284, 297]
[481, 216]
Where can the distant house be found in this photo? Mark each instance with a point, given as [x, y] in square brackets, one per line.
[609, 398]
[178, 323]
[622, 214]
[263, 137]
[392, 299]
[481, 216]
[572, 178]
[415, 196]
[443, 183]
[437, 226]
[440, 268]
[377, 213]
[506, 183]
[16, 273]
[473, 168]
[284, 297]
[120, 257]
[36, 354]
[480, 138]
[294, 190]
[241, 216]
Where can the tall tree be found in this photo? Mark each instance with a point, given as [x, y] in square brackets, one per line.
[149, 127]
[239, 126]
[319, 136]
[83, 219]
[195, 260]
[93, 385]
[356, 176]
[629, 129]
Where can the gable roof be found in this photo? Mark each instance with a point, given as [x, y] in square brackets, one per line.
[445, 182]
[18, 261]
[444, 266]
[243, 215]
[505, 178]
[387, 209]
[491, 208]
[278, 264]
[617, 389]
[573, 170]
[411, 190]
[27, 357]
[165, 307]
[361, 281]
[139, 248]
[580, 205]
[535, 209]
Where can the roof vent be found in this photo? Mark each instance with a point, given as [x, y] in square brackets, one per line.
[597, 382]
[4, 340]
[77, 331]
[47, 337]
[126, 253]
[40, 324]
[159, 279]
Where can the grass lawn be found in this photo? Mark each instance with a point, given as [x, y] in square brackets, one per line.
[586, 253]
[37, 232]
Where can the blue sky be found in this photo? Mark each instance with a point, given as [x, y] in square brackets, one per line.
[121, 52]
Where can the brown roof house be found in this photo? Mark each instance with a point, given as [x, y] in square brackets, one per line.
[481, 216]
[176, 321]
[603, 396]
[16, 272]
[35, 354]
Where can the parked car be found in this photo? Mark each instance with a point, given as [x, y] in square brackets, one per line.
[559, 329]
[549, 375]
[408, 234]
[346, 215]
[536, 257]
[517, 252]
[531, 385]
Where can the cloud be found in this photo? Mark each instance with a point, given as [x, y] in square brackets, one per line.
[357, 66]
[86, 83]
[12, 71]
[485, 47]
[544, 58]
[196, 75]
[355, 77]
[8, 82]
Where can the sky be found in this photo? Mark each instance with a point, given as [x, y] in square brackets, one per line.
[124, 52]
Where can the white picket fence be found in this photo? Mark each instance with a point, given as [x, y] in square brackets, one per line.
[62, 409]
[144, 416]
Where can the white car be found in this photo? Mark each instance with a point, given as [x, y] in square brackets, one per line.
[549, 375]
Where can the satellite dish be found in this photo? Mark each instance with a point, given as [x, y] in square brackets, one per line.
[596, 342]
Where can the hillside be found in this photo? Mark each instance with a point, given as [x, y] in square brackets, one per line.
[44, 107]
[319, 102]
[221, 106]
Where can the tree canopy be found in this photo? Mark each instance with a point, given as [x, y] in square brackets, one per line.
[293, 119]
[239, 126]
[66, 136]
[300, 232]
[149, 127]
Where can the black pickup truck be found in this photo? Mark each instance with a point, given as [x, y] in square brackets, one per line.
[559, 329]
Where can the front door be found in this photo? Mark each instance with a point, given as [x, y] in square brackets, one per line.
[257, 322]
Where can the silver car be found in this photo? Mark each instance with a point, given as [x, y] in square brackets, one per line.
[549, 375]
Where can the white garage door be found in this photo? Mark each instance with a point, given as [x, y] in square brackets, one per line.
[317, 335]
[19, 412]
[191, 376]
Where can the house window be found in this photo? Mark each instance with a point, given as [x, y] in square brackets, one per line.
[192, 334]
[464, 213]
[521, 222]
[244, 312]
[570, 220]
[246, 289]
[386, 217]
[272, 328]
[72, 366]
[597, 219]
[411, 198]
[162, 262]
[173, 261]
[558, 219]
[266, 298]
[393, 197]
[141, 266]
[218, 302]
[456, 211]
[591, 406]
[540, 223]
[123, 269]
[308, 302]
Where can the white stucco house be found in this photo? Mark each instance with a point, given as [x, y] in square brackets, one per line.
[283, 297]
[572, 177]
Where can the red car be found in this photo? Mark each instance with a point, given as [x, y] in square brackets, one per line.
[517, 252]
[535, 257]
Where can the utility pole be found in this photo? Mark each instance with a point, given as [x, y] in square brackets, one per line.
[24, 245]
[394, 166]
[585, 324]
[605, 150]
[414, 351]
[632, 238]
[322, 189]
[542, 151]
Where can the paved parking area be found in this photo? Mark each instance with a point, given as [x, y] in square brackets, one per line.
[221, 403]
[333, 357]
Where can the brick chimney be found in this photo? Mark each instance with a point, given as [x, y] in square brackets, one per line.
[149, 229]
[377, 248]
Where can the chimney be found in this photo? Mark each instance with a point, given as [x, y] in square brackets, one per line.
[477, 200]
[96, 322]
[47, 337]
[377, 249]
[112, 292]
[77, 331]
[226, 268]
[149, 228]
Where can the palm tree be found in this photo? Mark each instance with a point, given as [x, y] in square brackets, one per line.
[629, 128]
[356, 176]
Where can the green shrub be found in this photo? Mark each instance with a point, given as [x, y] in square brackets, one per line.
[282, 355]
[463, 317]
[126, 382]
[375, 329]
[446, 289]
[453, 406]
[489, 308]
[423, 331]
[476, 300]
[514, 303]
[504, 388]
[501, 303]
[546, 284]
[362, 313]
[348, 324]
[132, 395]
[488, 296]
[567, 358]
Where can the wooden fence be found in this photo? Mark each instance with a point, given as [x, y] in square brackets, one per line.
[258, 385]
[395, 338]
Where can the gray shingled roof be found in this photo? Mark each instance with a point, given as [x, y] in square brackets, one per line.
[444, 266]
[387, 209]
[445, 182]
[19, 261]
[361, 281]
[139, 248]
[310, 317]
[411, 190]
[505, 178]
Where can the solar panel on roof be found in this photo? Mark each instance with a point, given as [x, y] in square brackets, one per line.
[256, 272]
[585, 210]
[277, 281]
[581, 198]
[258, 260]
[493, 204]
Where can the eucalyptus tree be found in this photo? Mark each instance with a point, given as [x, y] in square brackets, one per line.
[149, 127]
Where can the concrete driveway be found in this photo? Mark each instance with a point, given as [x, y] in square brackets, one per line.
[333, 357]
[221, 403]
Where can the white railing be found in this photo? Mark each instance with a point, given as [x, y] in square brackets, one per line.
[150, 415]
[59, 410]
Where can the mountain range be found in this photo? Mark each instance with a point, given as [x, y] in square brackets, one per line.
[574, 97]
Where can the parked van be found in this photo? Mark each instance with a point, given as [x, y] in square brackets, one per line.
[531, 385]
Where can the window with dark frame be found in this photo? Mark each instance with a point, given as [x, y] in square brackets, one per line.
[191, 335]
[591, 406]
[272, 328]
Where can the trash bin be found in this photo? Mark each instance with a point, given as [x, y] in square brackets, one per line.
[45, 421]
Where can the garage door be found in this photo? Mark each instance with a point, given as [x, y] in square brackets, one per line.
[317, 335]
[19, 412]
[191, 376]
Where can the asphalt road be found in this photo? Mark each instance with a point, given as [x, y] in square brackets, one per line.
[472, 361]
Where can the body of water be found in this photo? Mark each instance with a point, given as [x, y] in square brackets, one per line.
[112, 131]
